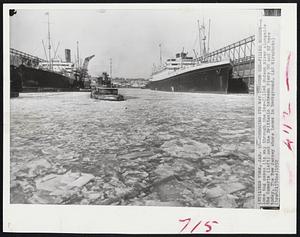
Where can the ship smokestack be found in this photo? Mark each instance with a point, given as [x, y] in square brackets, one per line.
[68, 55]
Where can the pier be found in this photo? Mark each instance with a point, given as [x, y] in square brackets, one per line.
[18, 57]
[242, 57]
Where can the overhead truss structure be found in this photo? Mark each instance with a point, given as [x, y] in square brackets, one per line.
[18, 57]
[241, 55]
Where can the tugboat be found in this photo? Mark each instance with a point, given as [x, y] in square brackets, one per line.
[103, 89]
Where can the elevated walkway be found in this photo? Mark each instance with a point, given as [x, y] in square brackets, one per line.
[242, 57]
[18, 57]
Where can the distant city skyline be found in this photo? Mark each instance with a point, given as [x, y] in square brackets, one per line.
[130, 37]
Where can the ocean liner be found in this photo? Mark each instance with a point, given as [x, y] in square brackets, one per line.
[33, 74]
[188, 74]
[30, 73]
[185, 74]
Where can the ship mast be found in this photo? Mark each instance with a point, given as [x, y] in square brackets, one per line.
[199, 31]
[49, 44]
[204, 38]
[78, 63]
[110, 67]
[208, 36]
[160, 58]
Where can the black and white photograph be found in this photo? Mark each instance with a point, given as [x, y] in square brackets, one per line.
[132, 107]
[149, 118]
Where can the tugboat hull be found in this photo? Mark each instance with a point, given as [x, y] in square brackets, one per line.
[103, 89]
[104, 93]
[109, 97]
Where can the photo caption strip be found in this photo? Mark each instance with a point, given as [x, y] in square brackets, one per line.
[267, 178]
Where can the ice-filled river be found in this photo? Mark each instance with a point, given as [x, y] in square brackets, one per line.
[153, 149]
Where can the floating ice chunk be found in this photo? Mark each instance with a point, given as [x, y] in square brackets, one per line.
[215, 192]
[229, 147]
[200, 175]
[186, 148]
[137, 154]
[54, 183]
[81, 181]
[227, 201]
[163, 171]
[35, 167]
[233, 187]
[249, 203]
[160, 203]
[221, 154]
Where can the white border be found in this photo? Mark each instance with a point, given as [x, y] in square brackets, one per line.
[115, 219]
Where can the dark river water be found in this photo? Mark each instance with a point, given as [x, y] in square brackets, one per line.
[153, 149]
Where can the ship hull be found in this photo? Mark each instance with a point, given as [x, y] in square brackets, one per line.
[15, 82]
[217, 79]
[33, 79]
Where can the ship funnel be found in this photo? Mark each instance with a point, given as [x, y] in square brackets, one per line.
[68, 55]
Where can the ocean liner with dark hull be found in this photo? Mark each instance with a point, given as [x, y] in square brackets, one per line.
[184, 74]
[37, 79]
[30, 74]
[188, 74]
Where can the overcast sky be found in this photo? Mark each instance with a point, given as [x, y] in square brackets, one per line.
[129, 37]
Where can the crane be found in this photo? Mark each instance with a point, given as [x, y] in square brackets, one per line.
[82, 71]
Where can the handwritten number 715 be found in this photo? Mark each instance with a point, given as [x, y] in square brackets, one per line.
[208, 225]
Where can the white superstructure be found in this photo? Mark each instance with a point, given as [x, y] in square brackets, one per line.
[180, 65]
[66, 68]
